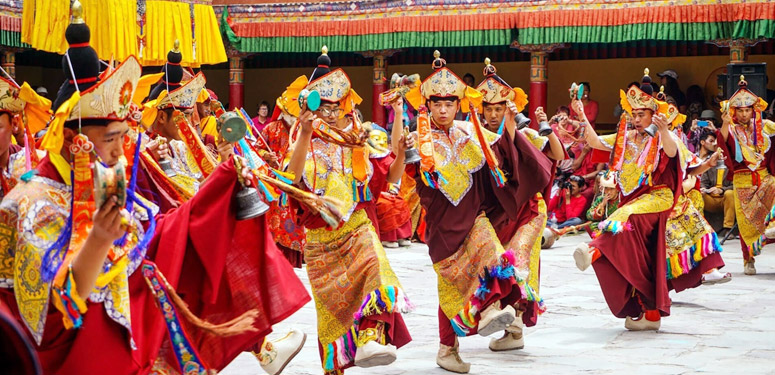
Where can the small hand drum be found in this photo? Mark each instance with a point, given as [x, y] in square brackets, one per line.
[109, 181]
[232, 127]
[309, 98]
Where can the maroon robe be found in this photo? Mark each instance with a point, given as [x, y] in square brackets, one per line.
[636, 258]
[528, 172]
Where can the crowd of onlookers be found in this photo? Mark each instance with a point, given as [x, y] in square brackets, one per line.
[584, 192]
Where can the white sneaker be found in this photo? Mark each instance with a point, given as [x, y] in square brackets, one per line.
[582, 256]
[770, 233]
[404, 242]
[390, 244]
[374, 354]
[716, 277]
[275, 355]
[493, 320]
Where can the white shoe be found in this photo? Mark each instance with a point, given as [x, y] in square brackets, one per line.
[375, 354]
[449, 359]
[749, 269]
[716, 277]
[642, 324]
[390, 244]
[770, 233]
[404, 242]
[582, 256]
[275, 355]
[493, 319]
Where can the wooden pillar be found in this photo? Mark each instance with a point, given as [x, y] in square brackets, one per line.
[539, 64]
[379, 85]
[236, 81]
[539, 75]
[738, 51]
[9, 63]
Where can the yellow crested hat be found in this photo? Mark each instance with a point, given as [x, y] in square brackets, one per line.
[642, 97]
[185, 96]
[111, 98]
[745, 98]
[495, 90]
[15, 100]
[443, 83]
[333, 85]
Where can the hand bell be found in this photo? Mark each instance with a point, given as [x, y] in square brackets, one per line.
[166, 166]
[651, 130]
[522, 120]
[544, 129]
[249, 204]
[411, 156]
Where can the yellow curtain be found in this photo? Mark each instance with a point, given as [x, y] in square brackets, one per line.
[51, 18]
[115, 32]
[165, 22]
[113, 27]
[28, 20]
[209, 45]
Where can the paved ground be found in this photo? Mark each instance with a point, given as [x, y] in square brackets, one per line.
[723, 329]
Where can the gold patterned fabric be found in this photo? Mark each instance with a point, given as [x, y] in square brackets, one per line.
[31, 218]
[752, 204]
[344, 266]
[328, 172]
[685, 226]
[187, 170]
[753, 155]
[350, 279]
[526, 245]
[458, 275]
[537, 140]
[657, 200]
[457, 156]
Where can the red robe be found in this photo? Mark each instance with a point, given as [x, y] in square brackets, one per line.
[219, 266]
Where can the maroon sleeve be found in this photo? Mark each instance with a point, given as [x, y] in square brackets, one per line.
[528, 171]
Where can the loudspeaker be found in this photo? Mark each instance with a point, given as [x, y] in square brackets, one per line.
[755, 74]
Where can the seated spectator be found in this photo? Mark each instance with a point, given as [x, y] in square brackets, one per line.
[590, 107]
[606, 201]
[717, 191]
[567, 207]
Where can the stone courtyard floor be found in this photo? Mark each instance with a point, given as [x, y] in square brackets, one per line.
[720, 329]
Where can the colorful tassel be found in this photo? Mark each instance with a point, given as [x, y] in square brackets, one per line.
[685, 261]
[55, 254]
[466, 320]
[386, 299]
